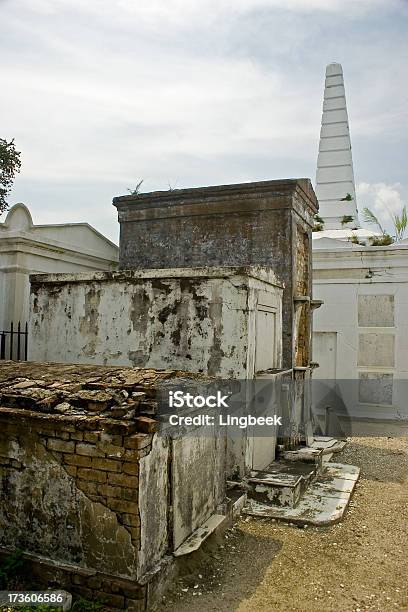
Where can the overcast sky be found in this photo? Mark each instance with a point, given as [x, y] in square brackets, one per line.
[100, 94]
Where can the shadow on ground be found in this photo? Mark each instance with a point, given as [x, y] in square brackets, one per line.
[223, 573]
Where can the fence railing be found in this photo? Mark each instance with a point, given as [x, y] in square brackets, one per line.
[14, 342]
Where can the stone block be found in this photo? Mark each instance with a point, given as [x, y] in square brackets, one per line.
[108, 465]
[375, 388]
[131, 468]
[120, 505]
[77, 460]
[132, 520]
[123, 480]
[91, 475]
[89, 450]
[376, 310]
[84, 592]
[94, 582]
[146, 424]
[91, 437]
[129, 494]
[131, 455]
[115, 439]
[111, 450]
[138, 441]
[63, 446]
[77, 435]
[128, 588]
[376, 350]
[144, 451]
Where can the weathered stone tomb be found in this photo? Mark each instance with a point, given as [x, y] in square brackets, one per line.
[94, 497]
[214, 281]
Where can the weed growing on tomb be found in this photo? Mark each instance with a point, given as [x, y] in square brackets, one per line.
[354, 239]
[136, 190]
[400, 223]
[383, 240]
[347, 219]
[318, 223]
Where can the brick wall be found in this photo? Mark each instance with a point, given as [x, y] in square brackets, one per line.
[70, 459]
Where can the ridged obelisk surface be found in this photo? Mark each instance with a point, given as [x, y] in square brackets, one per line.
[335, 188]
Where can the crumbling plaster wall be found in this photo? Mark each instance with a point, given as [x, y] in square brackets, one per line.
[92, 493]
[70, 500]
[52, 506]
[196, 320]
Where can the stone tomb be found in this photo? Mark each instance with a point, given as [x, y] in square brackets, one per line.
[266, 223]
[85, 481]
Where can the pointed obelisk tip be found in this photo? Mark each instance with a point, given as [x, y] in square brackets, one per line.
[334, 69]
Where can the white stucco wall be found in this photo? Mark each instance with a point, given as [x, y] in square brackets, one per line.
[26, 248]
[361, 330]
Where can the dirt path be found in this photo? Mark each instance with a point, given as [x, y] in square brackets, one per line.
[359, 564]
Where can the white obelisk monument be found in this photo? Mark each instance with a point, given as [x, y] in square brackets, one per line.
[335, 187]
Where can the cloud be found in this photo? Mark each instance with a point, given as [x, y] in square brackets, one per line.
[383, 200]
[179, 11]
[99, 94]
[121, 116]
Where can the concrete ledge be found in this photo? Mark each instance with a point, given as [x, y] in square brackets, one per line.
[200, 535]
[324, 502]
[215, 193]
[262, 273]
[328, 445]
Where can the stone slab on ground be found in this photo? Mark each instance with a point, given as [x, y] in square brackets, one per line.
[341, 470]
[328, 445]
[194, 541]
[324, 502]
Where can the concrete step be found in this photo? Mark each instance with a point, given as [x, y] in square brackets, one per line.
[282, 484]
[304, 454]
[324, 502]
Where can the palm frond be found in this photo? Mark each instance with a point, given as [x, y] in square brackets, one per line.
[400, 224]
[369, 217]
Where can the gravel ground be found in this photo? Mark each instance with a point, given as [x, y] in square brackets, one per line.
[359, 564]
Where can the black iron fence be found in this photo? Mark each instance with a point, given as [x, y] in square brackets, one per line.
[14, 342]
